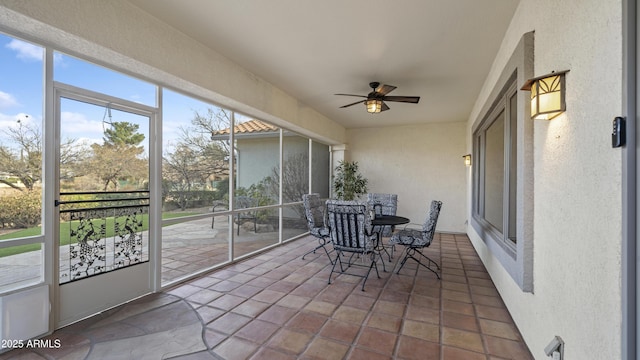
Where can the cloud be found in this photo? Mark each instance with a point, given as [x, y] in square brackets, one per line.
[7, 121]
[25, 50]
[7, 100]
[12, 122]
[29, 52]
[77, 124]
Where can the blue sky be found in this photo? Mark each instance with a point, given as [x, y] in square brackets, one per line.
[21, 84]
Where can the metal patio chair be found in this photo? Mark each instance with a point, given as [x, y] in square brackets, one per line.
[350, 231]
[415, 240]
[314, 211]
[246, 202]
[384, 204]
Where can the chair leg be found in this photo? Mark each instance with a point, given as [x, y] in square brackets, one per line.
[312, 251]
[323, 243]
[379, 248]
[409, 252]
[428, 258]
[404, 259]
[335, 262]
[324, 247]
[384, 267]
[348, 262]
[373, 265]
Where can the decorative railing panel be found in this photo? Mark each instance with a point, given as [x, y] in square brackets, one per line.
[102, 232]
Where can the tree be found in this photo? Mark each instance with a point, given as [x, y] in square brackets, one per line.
[184, 169]
[295, 178]
[123, 134]
[196, 157]
[119, 158]
[198, 135]
[21, 154]
[25, 160]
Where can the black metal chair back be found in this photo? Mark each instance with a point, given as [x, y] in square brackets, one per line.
[384, 204]
[429, 226]
[315, 216]
[350, 231]
[314, 211]
[349, 225]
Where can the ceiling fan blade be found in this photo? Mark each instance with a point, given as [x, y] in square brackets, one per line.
[384, 107]
[357, 102]
[351, 95]
[384, 89]
[405, 99]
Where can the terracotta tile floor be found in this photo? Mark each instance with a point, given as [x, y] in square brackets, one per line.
[278, 306]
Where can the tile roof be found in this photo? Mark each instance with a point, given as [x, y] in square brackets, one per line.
[249, 127]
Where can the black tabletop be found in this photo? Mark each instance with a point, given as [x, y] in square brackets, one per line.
[389, 220]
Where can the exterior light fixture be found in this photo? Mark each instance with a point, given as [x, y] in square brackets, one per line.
[373, 105]
[467, 159]
[547, 95]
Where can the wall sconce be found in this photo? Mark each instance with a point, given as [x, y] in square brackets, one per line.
[467, 159]
[547, 95]
[373, 106]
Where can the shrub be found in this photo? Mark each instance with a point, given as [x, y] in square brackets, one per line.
[189, 199]
[22, 210]
[348, 183]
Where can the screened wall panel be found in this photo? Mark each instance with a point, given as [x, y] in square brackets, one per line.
[320, 169]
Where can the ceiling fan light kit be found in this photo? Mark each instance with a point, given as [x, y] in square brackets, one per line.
[373, 106]
[374, 101]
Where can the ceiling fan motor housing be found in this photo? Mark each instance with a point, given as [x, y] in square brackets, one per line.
[374, 101]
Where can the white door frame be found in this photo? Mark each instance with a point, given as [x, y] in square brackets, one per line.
[76, 300]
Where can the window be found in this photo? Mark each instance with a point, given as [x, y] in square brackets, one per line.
[209, 155]
[84, 74]
[502, 188]
[195, 158]
[320, 169]
[21, 167]
[496, 144]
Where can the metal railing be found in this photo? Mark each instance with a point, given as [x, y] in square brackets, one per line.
[102, 232]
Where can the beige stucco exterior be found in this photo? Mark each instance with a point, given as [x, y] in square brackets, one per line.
[577, 232]
[576, 174]
[403, 160]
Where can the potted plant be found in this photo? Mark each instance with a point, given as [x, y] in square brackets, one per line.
[348, 183]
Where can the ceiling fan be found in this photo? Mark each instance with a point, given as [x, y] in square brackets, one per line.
[374, 101]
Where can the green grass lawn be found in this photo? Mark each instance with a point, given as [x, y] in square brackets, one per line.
[64, 233]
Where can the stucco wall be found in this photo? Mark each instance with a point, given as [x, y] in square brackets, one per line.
[419, 163]
[577, 182]
[258, 156]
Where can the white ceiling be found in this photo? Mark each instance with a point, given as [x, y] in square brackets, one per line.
[440, 50]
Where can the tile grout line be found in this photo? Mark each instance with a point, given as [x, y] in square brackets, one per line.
[396, 347]
[441, 315]
[253, 318]
[473, 305]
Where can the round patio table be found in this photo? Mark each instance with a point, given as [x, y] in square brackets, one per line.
[386, 220]
[393, 220]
